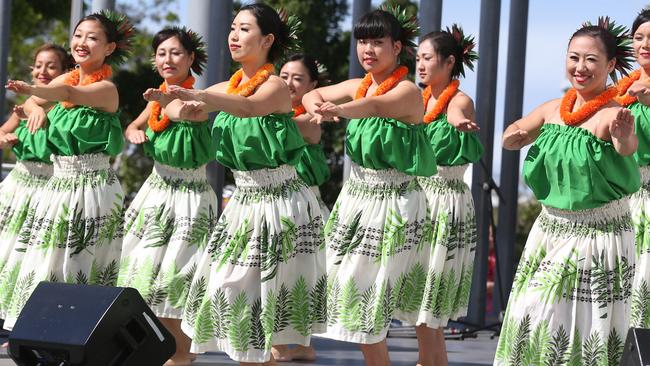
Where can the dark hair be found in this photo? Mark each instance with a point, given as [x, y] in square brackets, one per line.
[378, 24]
[270, 23]
[606, 38]
[309, 63]
[643, 17]
[445, 45]
[110, 28]
[64, 57]
[190, 41]
[118, 29]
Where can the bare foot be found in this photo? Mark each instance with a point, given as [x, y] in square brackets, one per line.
[281, 353]
[5, 345]
[302, 353]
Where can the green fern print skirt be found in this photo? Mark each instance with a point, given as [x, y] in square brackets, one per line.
[571, 296]
[261, 280]
[76, 234]
[166, 229]
[640, 207]
[19, 193]
[324, 211]
[448, 257]
[374, 236]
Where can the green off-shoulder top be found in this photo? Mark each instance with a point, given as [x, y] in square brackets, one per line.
[251, 143]
[31, 146]
[453, 147]
[83, 130]
[183, 144]
[385, 143]
[570, 168]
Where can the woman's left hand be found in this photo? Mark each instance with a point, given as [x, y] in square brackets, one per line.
[178, 92]
[19, 87]
[622, 125]
[329, 111]
[465, 125]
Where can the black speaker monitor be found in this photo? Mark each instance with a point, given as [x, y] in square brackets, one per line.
[637, 348]
[65, 324]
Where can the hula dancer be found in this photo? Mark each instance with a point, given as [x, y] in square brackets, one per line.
[19, 192]
[261, 280]
[167, 225]
[450, 126]
[374, 234]
[570, 301]
[77, 232]
[634, 93]
[301, 73]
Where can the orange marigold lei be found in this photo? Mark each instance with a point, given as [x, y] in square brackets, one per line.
[73, 77]
[586, 110]
[248, 88]
[624, 84]
[441, 103]
[157, 124]
[299, 110]
[384, 87]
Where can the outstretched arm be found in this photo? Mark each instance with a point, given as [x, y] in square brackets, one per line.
[525, 130]
[271, 97]
[101, 95]
[461, 115]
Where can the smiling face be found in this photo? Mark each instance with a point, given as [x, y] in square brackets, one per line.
[246, 41]
[587, 65]
[641, 44]
[296, 75]
[172, 61]
[89, 44]
[46, 67]
[378, 55]
[431, 67]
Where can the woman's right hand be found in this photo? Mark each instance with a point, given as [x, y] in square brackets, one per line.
[20, 111]
[36, 119]
[135, 136]
[516, 139]
[8, 140]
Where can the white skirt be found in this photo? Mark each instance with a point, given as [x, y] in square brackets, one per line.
[571, 295]
[76, 236]
[640, 207]
[448, 258]
[374, 237]
[19, 194]
[261, 280]
[166, 229]
[324, 211]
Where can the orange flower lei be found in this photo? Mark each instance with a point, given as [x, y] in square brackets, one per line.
[157, 124]
[299, 110]
[249, 87]
[441, 103]
[624, 84]
[73, 77]
[384, 87]
[586, 110]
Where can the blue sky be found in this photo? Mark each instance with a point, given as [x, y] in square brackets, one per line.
[550, 24]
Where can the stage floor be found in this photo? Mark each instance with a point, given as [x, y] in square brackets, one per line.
[403, 352]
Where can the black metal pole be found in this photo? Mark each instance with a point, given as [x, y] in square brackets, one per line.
[506, 235]
[76, 13]
[212, 19]
[485, 108]
[359, 8]
[99, 5]
[5, 29]
[430, 17]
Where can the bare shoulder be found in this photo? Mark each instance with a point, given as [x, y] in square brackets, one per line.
[275, 83]
[461, 99]
[408, 88]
